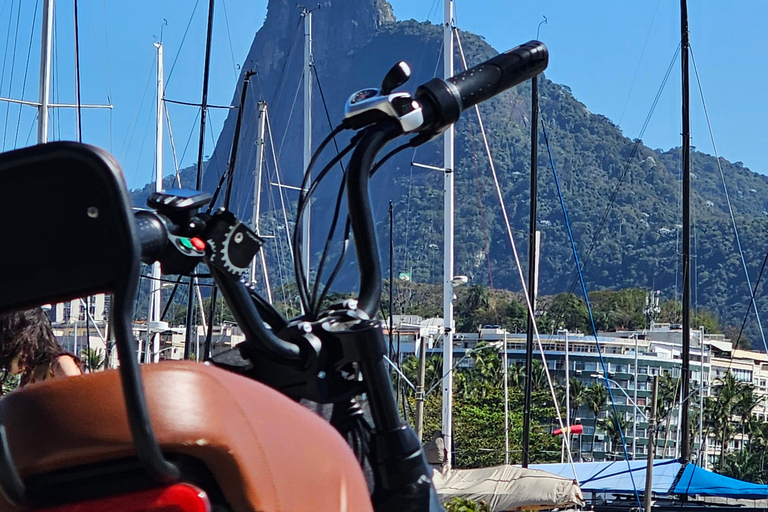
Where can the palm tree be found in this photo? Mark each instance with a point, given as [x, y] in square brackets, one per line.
[668, 396]
[517, 375]
[577, 392]
[578, 396]
[727, 391]
[745, 404]
[538, 375]
[93, 358]
[597, 397]
[615, 426]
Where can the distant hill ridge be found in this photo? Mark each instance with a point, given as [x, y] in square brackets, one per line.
[639, 242]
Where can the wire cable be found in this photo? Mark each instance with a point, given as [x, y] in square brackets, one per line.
[749, 307]
[589, 310]
[304, 197]
[730, 206]
[13, 66]
[284, 207]
[235, 66]
[633, 153]
[316, 304]
[26, 73]
[181, 45]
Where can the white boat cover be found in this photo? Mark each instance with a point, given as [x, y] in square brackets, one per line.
[508, 488]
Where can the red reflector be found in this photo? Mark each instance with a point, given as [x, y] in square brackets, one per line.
[199, 244]
[176, 498]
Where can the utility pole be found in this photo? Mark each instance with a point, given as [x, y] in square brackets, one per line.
[448, 184]
[634, 411]
[420, 388]
[308, 65]
[651, 448]
[156, 293]
[567, 398]
[506, 399]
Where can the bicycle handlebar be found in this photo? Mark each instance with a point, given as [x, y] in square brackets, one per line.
[444, 100]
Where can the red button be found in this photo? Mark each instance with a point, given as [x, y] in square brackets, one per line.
[199, 244]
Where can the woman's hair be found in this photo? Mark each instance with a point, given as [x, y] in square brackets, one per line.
[28, 336]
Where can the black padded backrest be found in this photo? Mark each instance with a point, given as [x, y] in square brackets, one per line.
[67, 228]
[68, 231]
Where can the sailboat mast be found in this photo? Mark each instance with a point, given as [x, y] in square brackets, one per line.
[204, 101]
[156, 286]
[448, 244]
[532, 258]
[260, 145]
[305, 227]
[45, 72]
[686, 351]
[199, 183]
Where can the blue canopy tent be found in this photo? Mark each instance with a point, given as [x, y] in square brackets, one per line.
[699, 481]
[669, 477]
[615, 476]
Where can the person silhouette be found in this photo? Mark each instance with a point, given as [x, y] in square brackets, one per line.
[28, 348]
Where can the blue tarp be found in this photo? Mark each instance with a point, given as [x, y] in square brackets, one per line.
[615, 476]
[696, 480]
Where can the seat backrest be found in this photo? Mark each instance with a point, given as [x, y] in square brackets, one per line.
[68, 231]
[67, 228]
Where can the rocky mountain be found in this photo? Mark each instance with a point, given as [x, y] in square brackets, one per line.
[634, 243]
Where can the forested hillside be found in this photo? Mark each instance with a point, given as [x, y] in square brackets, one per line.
[623, 198]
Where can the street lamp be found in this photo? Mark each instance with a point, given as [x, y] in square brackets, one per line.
[629, 398]
[632, 402]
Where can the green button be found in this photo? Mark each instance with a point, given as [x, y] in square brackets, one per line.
[186, 243]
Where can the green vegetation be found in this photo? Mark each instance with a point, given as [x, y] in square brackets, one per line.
[466, 505]
[479, 411]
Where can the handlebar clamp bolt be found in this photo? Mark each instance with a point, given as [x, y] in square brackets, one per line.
[305, 326]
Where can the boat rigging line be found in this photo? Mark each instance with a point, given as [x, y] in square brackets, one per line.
[13, 62]
[591, 317]
[749, 307]
[730, 206]
[181, 45]
[519, 268]
[77, 77]
[632, 155]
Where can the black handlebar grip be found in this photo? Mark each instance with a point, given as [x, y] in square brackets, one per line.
[152, 235]
[443, 100]
[500, 73]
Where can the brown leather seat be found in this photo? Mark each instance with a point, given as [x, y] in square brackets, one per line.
[266, 452]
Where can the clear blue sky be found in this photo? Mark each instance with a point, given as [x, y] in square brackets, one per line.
[612, 54]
